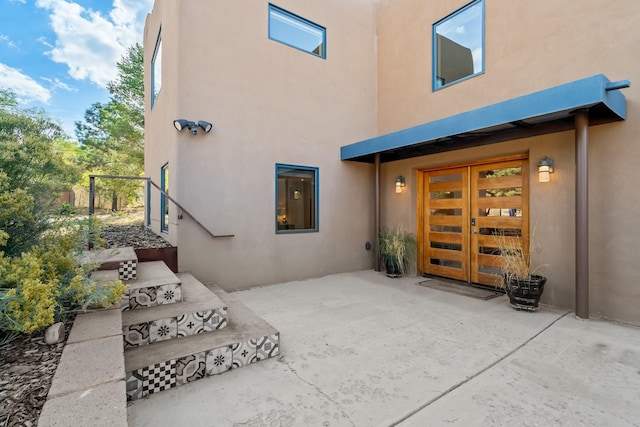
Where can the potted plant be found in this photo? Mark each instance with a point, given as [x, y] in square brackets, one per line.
[397, 250]
[522, 283]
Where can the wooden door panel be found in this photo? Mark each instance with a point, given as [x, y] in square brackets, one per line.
[446, 237]
[499, 198]
[493, 195]
[445, 211]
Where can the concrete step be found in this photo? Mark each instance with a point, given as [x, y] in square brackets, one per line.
[199, 311]
[163, 365]
[124, 260]
[156, 285]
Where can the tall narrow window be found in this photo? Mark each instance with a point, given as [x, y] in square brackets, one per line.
[296, 199]
[297, 32]
[164, 202]
[458, 45]
[156, 70]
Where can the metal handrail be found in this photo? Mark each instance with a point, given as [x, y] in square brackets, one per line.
[92, 187]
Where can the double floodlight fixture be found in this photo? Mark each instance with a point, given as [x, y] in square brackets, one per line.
[181, 124]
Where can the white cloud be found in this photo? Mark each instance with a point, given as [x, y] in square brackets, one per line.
[6, 40]
[56, 83]
[43, 40]
[90, 43]
[26, 89]
[477, 59]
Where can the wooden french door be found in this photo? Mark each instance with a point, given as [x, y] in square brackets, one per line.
[464, 210]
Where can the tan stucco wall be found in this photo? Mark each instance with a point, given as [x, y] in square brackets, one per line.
[272, 104]
[531, 46]
[269, 104]
[160, 136]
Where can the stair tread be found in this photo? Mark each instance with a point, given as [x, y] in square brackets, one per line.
[108, 259]
[152, 274]
[243, 325]
[195, 297]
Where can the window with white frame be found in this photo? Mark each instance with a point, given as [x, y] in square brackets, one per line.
[458, 45]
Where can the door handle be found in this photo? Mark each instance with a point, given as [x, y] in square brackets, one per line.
[474, 231]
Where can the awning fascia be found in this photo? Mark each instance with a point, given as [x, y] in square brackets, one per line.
[540, 112]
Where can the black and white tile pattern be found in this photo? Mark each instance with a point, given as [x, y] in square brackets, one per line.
[163, 329]
[134, 383]
[244, 353]
[268, 346]
[191, 368]
[159, 377]
[169, 294]
[189, 324]
[219, 360]
[213, 319]
[142, 298]
[128, 270]
[135, 335]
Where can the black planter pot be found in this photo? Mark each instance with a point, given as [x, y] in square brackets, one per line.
[391, 266]
[524, 294]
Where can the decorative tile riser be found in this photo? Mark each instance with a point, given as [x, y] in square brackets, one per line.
[135, 299]
[128, 270]
[174, 327]
[176, 372]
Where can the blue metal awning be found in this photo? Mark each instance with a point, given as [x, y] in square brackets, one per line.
[538, 113]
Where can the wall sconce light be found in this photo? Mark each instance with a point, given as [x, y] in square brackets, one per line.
[181, 124]
[545, 167]
[400, 184]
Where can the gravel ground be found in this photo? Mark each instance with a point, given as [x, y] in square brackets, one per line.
[137, 236]
[27, 364]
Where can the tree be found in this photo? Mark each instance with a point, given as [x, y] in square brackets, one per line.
[41, 280]
[112, 134]
[36, 164]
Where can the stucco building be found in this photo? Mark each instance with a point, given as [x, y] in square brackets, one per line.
[320, 108]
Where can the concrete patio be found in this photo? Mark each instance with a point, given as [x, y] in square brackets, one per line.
[360, 349]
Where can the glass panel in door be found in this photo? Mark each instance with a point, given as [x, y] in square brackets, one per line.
[499, 209]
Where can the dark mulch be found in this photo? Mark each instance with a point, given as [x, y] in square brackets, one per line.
[27, 365]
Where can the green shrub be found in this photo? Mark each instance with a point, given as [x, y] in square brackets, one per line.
[47, 283]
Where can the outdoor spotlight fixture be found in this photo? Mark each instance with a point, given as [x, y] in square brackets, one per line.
[400, 184]
[545, 167]
[181, 124]
[205, 126]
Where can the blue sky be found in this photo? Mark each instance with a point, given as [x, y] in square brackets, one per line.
[60, 54]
